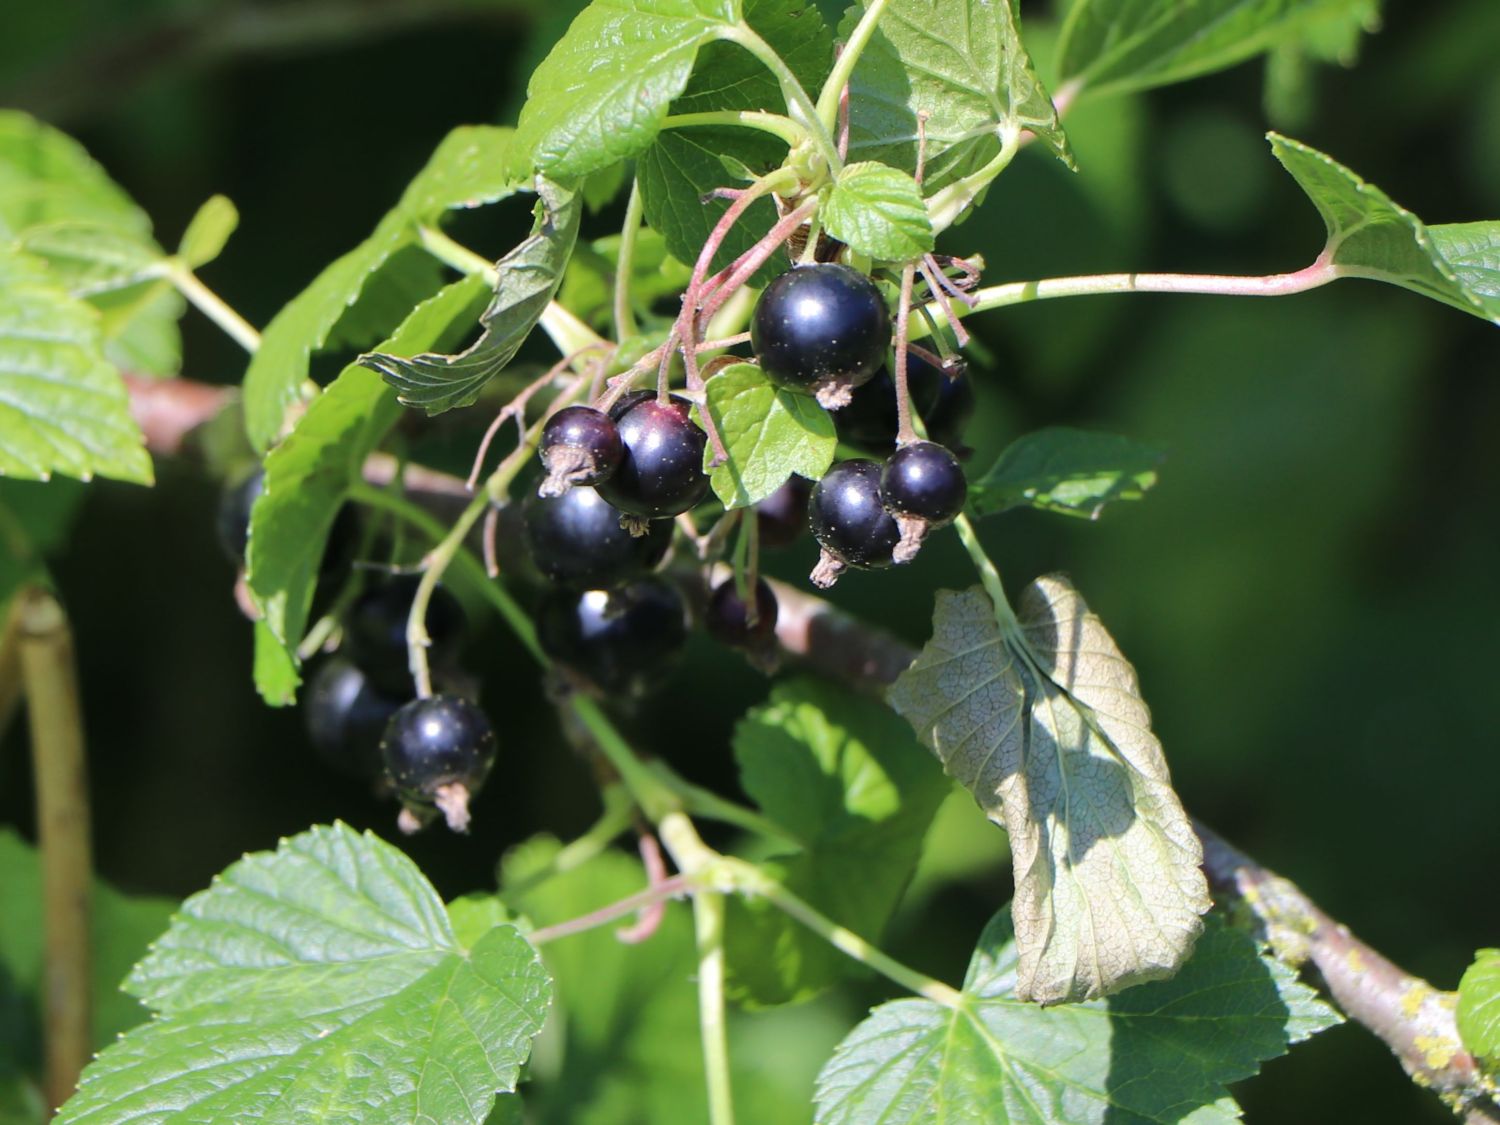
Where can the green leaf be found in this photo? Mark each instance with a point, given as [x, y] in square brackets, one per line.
[1111, 46]
[89, 258]
[1473, 250]
[1074, 472]
[1479, 1006]
[768, 431]
[1371, 236]
[684, 165]
[1045, 726]
[46, 177]
[208, 231]
[960, 63]
[601, 93]
[468, 169]
[120, 926]
[848, 783]
[529, 276]
[1160, 1053]
[63, 407]
[307, 480]
[320, 982]
[878, 210]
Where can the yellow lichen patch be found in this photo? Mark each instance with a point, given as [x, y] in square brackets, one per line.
[1356, 960]
[1437, 1050]
[1414, 997]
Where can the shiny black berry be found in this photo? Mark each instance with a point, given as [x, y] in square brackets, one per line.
[623, 641]
[345, 716]
[576, 540]
[579, 445]
[437, 752]
[781, 518]
[822, 329]
[730, 621]
[869, 421]
[850, 521]
[661, 473]
[375, 632]
[923, 486]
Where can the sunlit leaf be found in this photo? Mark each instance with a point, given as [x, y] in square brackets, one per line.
[1073, 472]
[1047, 729]
[769, 432]
[208, 231]
[1479, 1006]
[878, 210]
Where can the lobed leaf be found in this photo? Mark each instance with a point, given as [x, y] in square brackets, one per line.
[848, 783]
[63, 407]
[1161, 1053]
[962, 64]
[529, 276]
[307, 480]
[1073, 472]
[682, 166]
[769, 433]
[1114, 46]
[601, 93]
[321, 982]
[1371, 236]
[879, 211]
[468, 169]
[1479, 1006]
[1047, 729]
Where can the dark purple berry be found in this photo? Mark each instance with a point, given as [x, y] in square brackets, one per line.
[781, 517]
[850, 522]
[623, 641]
[923, 486]
[345, 717]
[576, 540]
[869, 421]
[438, 752]
[375, 632]
[728, 617]
[821, 328]
[579, 445]
[662, 471]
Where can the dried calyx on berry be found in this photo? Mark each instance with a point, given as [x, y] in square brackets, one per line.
[850, 522]
[922, 485]
[579, 445]
[661, 473]
[437, 752]
[822, 329]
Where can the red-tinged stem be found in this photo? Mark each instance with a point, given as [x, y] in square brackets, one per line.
[905, 431]
[752, 259]
[673, 887]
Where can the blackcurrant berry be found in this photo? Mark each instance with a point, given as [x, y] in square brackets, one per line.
[923, 486]
[375, 632]
[729, 620]
[662, 470]
[822, 329]
[345, 716]
[623, 641]
[438, 752]
[869, 421]
[781, 517]
[849, 521]
[576, 540]
[579, 445]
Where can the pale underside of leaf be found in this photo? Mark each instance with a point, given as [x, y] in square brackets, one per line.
[1048, 731]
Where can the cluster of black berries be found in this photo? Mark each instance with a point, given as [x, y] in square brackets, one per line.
[824, 329]
[360, 709]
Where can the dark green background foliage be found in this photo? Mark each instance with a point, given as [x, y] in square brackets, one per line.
[1308, 593]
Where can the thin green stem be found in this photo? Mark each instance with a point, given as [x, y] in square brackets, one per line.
[946, 206]
[776, 124]
[1320, 273]
[989, 576]
[625, 326]
[708, 925]
[614, 821]
[655, 798]
[211, 305]
[838, 78]
[845, 940]
[705, 802]
[798, 105]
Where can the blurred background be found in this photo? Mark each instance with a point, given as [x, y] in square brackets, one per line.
[1309, 594]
